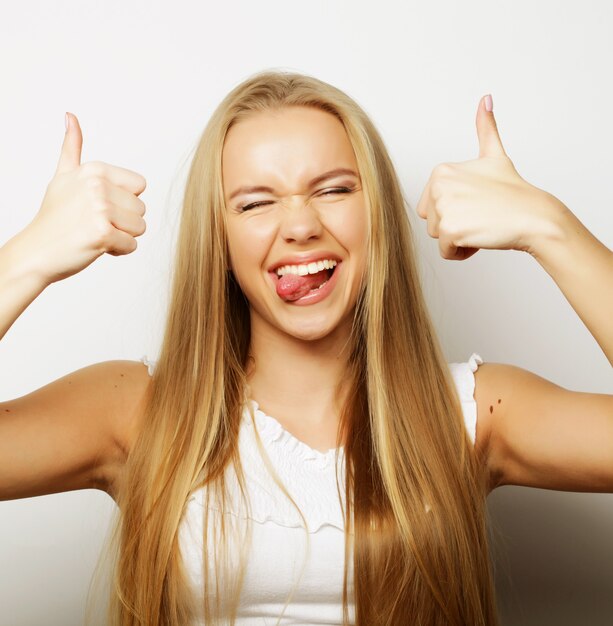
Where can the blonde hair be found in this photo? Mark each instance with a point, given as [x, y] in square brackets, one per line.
[414, 488]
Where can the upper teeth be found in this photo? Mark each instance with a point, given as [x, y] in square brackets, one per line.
[303, 270]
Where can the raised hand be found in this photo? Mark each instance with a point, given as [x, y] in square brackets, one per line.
[88, 209]
[484, 203]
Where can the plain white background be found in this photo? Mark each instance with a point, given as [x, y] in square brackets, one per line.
[143, 79]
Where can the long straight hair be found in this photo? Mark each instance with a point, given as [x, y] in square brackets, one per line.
[415, 491]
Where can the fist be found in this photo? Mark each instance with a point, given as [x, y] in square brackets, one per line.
[88, 209]
[483, 203]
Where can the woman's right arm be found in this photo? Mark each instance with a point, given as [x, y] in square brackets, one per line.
[19, 284]
[73, 433]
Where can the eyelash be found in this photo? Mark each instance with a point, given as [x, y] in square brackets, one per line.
[246, 207]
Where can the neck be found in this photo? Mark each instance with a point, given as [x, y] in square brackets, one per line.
[297, 377]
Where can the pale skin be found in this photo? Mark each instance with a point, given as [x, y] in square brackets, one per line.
[298, 350]
[529, 430]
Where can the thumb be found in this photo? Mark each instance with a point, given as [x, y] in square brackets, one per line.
[487, 130]
[70, 156]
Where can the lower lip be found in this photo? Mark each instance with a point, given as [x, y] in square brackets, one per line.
[316, 296]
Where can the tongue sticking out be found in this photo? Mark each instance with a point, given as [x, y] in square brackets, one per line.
[290, 287]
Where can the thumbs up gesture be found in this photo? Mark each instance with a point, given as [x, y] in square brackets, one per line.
[484, 203]
[88, 209]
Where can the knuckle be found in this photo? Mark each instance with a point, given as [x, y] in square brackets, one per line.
[96, 184]
[443, 247]
[103, 232]
[105, 227]
[93, 168]
[443, 169]
[437, 188]
[445, 202]
[450, 228]
[103, 206]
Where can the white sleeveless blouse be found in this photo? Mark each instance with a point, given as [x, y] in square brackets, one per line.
[277, 560]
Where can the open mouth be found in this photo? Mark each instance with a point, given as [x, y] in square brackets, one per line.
[316, 283]
[325, 275]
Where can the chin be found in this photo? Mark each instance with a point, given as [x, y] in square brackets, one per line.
[311, 331]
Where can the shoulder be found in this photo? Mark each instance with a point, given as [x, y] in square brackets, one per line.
[485, 392]
[125, 384]
[128, 400]
[494, 384]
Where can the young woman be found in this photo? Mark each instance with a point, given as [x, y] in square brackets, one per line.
[296, 295]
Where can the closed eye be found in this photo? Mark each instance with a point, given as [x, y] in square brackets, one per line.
[324, 193]
[337, 190]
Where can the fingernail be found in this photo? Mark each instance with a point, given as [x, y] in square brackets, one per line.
[489, 105]
[66, 122]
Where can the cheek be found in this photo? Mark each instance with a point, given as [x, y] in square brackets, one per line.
[248, 246]
[355, 240]
[351, 227]
[243, 263]
[238, 249]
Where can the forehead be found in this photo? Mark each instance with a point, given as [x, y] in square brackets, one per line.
[284, 147]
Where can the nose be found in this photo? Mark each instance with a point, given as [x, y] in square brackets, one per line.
[300, 221]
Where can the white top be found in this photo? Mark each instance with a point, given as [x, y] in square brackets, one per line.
[278, 548]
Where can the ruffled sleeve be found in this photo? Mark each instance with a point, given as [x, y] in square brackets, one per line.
[463, 375]
[150, 364]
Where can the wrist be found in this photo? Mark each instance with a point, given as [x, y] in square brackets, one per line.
[568, 247]
[18, 265]
[554, 225]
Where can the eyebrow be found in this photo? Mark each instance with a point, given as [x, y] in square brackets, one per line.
[318, 179]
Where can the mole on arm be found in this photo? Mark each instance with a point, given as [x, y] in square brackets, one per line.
[492, 408]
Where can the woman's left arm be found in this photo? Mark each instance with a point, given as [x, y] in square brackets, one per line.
[531, 431]
[582, 267]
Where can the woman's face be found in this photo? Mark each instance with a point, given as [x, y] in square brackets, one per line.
[296, 220]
